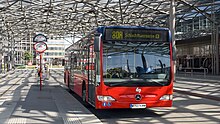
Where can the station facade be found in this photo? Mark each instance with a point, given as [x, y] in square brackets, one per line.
[197, 42]
[55, 52]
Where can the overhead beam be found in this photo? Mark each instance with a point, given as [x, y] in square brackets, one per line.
[200, 11]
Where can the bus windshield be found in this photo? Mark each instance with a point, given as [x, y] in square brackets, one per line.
[140, 63]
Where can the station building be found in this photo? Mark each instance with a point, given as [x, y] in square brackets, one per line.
[197, 44]
[55, 52]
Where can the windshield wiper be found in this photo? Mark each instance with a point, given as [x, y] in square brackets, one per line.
[135, 82]
[157, 82]
[119, 83]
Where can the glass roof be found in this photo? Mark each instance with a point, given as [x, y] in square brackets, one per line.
[19, 18]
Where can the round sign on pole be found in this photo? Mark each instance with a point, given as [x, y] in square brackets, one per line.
[40, 38]
[40, 47]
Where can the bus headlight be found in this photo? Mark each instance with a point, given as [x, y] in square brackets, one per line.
[105, 98]
[166, 97]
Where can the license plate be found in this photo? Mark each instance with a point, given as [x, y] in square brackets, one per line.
[137, 105]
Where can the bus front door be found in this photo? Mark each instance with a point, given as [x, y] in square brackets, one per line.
[91, 76]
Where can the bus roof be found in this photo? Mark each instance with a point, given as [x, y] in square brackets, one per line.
[102, 28]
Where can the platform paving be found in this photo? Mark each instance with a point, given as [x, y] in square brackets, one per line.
[198, 85]
[3, 75]
[25, 103]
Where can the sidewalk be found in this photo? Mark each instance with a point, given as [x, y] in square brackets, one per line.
[198, 85]
[3, 75]
[26, 104]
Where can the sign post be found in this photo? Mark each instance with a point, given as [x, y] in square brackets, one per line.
[41, 71]
[40, 46]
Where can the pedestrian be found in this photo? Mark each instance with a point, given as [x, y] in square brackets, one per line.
[39, 71]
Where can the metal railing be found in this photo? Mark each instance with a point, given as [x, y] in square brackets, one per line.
[193, 71]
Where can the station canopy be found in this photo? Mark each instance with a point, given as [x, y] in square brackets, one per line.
[19, 18]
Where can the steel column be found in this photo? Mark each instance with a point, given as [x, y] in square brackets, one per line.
[172, 27]
[217, 50]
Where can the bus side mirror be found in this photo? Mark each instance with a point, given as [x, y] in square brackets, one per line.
[97, 42]
[174, 53]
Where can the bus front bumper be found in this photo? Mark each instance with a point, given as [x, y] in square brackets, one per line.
[134, 105]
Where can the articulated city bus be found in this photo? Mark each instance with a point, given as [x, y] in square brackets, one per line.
[122, 67]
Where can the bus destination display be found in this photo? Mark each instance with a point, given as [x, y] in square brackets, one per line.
[136, 34]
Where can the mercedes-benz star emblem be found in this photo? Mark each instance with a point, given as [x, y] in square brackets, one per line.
[138, 97]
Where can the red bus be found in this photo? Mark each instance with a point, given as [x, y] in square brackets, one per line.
[122, 67]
